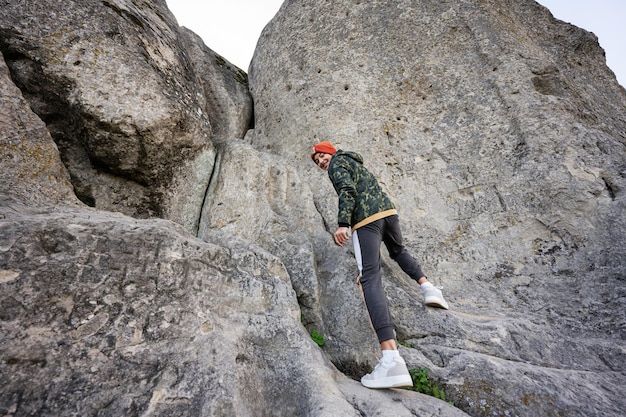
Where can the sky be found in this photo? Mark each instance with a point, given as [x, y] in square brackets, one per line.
[232, 27]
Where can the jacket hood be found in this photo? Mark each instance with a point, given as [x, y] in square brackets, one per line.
[357, 157]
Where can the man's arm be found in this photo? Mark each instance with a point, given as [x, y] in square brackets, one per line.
[341, 177]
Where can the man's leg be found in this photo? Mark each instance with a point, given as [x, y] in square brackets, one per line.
[392, 236]
[367, 240]
[391, 371]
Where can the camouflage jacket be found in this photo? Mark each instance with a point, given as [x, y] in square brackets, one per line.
[361, 200]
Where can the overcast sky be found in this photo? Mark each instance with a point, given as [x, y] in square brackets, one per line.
[232, 27]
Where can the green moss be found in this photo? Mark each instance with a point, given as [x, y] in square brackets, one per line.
[422, 383]
[318, 338]
[220, 61]
[240, 76]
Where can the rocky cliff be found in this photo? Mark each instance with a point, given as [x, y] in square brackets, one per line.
[164, 251]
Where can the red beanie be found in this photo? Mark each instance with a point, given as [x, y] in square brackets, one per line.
[323, 147]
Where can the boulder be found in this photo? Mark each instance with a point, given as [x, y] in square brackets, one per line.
[163, 254]
[32, 171]
[500, 134]
[131, 100]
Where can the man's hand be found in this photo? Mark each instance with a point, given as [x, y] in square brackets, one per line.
[341, 236]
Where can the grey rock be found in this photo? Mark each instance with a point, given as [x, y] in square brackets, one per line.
[31, 169]
[131, 99]
[103, 314]
[108, 315]
[500, 134]
[498, 131]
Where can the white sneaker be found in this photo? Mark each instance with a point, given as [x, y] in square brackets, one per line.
[388, 375]
[434, 298]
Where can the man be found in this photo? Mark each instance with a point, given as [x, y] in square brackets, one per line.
[369, 213]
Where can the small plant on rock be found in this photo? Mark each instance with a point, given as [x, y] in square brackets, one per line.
[317, 338]
[422, 383]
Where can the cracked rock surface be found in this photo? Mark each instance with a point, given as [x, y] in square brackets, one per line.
[165, 251]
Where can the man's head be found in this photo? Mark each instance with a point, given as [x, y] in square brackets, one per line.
[322, 154]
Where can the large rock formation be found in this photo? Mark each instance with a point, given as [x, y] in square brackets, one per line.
[498, 131]
[131, 101]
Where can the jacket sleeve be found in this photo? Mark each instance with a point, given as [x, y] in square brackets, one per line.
[342, 178]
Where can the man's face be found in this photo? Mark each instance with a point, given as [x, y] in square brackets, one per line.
[322, 160]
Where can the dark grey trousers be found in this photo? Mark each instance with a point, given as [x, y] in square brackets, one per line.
[366, 241]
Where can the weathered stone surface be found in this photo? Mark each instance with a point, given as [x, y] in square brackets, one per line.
[109, 315]
[498, 131]
[104, 314]
[31, 169]
[131, 100]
